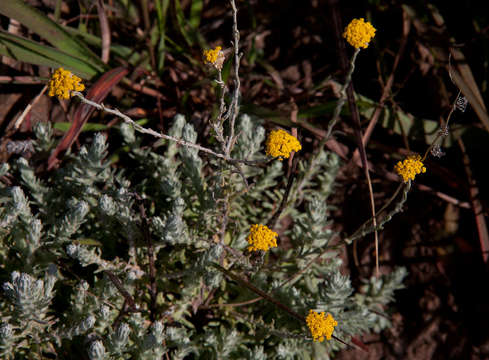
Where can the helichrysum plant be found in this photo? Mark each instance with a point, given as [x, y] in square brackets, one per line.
[75, 249]
[166, 256]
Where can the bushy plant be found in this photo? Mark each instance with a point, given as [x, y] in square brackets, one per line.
[173, 252]
[119, 262]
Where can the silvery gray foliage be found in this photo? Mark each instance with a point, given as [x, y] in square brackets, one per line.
[4, 168]
[44, 135]
[7, 339]
[152, 345]
[23, 147]
[71, 222]
[86, 256]
[172, 229]
[25, 229]
[16, 209]
[96, 351]
[192, 168]
[119, 338]
[377, 293]
[36, 188]
[30, 297]
[250, 138]
[310, 230]
[87, 217]
[128, 133]
[81, 328]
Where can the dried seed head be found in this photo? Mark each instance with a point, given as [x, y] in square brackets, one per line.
[461, 103]
[436, 151]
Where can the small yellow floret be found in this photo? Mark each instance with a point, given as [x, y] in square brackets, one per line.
[261, 238]
[410, 167]
[358, 33]
[63, 82]
[280, 144]
[320, 325]
[214, 57]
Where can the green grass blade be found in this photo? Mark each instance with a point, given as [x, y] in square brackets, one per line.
[162, 13]
[96, 41]
[182, 23]
[195, 13]
[65, 126]
[28, 51]
[49, 30]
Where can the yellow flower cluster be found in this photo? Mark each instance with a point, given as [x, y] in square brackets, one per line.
[358, 33]
[320, 325]
[261, 238]
[63, 82]
[280, 144]
[410, 167]
[215, 57]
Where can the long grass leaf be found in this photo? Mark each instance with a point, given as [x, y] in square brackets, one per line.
[49, 30]
[65, 126]
[182, 22]
[93, 40]
[162, 12]
[29, 51]
[195, 13]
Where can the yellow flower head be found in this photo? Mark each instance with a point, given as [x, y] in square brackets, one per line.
[320, 325]
[214, 57]
[280, 144]
[261, 238]
[63, 82]
[358, 33]
[410, 167]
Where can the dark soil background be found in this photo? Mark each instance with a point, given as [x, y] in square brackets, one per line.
[290, 68]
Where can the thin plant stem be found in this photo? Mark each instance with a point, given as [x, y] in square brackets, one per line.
[365, 229]
[269, 298]
[28, 108]
[151, 132]
[333, 121]
[234, 108]
[442, 132]
[285, 197]
[374, 220]
[363, 156]
[219, 123]
[342, 99]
